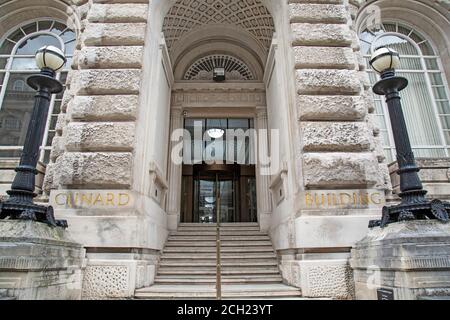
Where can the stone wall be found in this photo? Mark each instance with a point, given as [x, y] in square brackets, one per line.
[340, 148]
[89, 179]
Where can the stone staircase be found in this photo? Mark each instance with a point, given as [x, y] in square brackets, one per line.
[188, 265]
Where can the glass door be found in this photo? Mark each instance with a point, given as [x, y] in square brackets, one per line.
[204, 184]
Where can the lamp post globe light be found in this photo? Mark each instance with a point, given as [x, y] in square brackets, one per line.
[20, 206]
[414, 205]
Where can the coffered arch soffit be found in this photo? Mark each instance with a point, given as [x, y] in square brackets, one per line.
[192, 21]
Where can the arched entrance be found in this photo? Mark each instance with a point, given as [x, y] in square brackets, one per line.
[203, 38]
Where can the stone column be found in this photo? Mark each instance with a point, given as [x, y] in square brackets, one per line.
[93, 152]
[175, 174]
[264, 196]
[338, 157]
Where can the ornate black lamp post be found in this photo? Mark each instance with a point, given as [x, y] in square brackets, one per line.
[414, 205]
[20, 204]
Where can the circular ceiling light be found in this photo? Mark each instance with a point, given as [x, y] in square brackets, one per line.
[216, 133]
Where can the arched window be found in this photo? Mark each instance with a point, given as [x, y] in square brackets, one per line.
[17, 50]
[425, 101]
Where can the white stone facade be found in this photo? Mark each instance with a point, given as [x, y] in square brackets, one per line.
[110, 172]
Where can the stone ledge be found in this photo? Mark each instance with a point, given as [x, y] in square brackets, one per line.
[328, 81]
[340, 170]
[99, 136]
[335, 136]
[129, 57]
[318, 13]
[331, 108]
[104, 108]
[114, 34]
[324, 58]
[330, 35]
[107, 81]
[104, 170]
[117, 13]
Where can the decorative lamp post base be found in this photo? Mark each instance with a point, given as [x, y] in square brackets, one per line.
[20, 205]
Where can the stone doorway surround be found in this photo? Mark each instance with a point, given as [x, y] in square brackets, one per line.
[217, 100]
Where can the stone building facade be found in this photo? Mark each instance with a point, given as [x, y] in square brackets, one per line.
[297, 71]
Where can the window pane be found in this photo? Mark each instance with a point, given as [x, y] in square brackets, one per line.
[16, 111]
[2, 77]
[6, 47]
[432, 64]
[385, 136]
[378, 107]
[45, 25]
[429, 153]
[24, 64]
[51, 135]
[443, 107]
[445, 122]
[68, 35]
[419, 112]
[447, 136]
[410, 64]
[427, 50]
[238, 123]
[3, 62]
[397, 43]
[32, 27]
[436, 79]
[70, 47]
[382, 122]
[31, 45]
[58, 28]
[440, 93]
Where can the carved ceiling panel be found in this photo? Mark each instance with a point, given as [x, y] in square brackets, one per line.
[188, 15]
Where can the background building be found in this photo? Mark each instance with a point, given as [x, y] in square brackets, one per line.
[138, 70]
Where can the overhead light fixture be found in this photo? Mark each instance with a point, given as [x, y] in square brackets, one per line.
[216, 133]
[219, 74]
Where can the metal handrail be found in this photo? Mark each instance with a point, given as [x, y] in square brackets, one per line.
[218, 243]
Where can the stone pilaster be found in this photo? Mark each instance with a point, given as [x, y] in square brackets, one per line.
[339, 157]
[175, 174]
[93, 153]
[263, 178]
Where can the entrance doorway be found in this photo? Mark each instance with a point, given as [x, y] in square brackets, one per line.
[206, 187]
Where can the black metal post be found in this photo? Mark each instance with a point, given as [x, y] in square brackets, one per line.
[20, 205]
[414, 205]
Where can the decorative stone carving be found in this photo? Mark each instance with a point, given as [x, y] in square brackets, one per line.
[101, 281]
[203, 68]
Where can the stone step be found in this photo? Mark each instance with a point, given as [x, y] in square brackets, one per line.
[191, 249]
[222, 232]
[210, 243]
[212, 271]
[223, 225]
[209, 291]
[210, 263]
[222, 237]
[224, 255]
[212, 280]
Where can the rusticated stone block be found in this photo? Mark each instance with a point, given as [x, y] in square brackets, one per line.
[314, 13]
[99, 136]
[337, 108]
[328, 82]
[58, 148]
[104, 108]
[337, 136]
[110, 57]
[340, 170]
[116, 13]
[103, 82]
[324, 57]
[114, 34]
[331, 35]
[102, 170]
